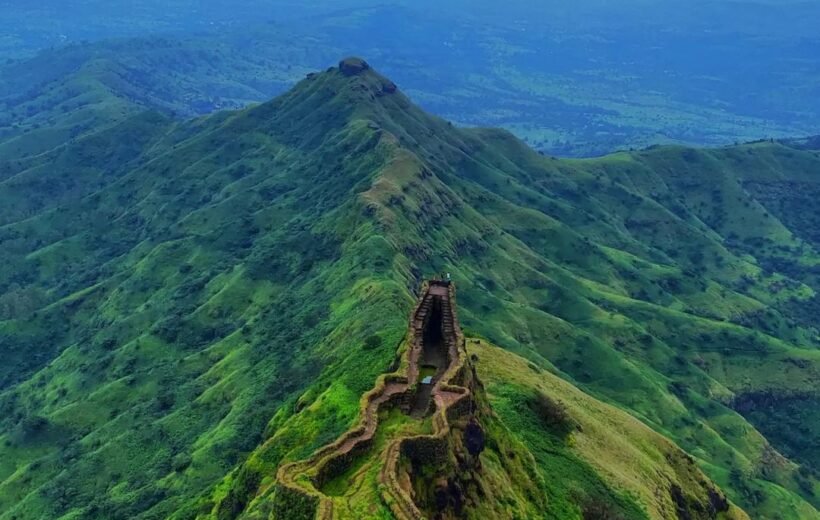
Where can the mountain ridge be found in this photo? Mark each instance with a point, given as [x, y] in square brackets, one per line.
[486, 81]
[222, 284]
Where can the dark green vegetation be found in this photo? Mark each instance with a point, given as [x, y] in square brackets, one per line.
[187, 305]
[576, 79]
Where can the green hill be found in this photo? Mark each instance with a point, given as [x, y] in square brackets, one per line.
[604, 78]
[64, 93]
[187, 305]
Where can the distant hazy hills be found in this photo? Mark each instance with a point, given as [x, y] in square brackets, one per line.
[185, 303]
[579, 82]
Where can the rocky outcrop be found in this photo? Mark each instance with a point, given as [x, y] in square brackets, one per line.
[353, 66]
[388, 87]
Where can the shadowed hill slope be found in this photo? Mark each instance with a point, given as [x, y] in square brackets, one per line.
[189, 307]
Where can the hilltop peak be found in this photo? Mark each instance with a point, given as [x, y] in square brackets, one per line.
[357, 67]
[360, 75]
[353, 66]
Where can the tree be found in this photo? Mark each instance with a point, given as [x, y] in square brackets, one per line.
[373, 342]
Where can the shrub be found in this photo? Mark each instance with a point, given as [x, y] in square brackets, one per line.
[373, 342]
[474, 438]
[30, 428]
[552, 414]
[181, 462]
[598, 509]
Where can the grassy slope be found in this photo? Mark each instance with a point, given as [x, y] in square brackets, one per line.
[185, 328]
[208, 296]
[648, 322]
[605, 447]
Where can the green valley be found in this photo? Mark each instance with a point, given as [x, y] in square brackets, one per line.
[189, 305]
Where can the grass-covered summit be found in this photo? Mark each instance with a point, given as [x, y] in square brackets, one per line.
[186, 306]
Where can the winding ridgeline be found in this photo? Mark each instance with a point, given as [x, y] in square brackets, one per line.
[193, 315]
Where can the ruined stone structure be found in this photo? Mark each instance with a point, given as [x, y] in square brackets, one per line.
[435, 337]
